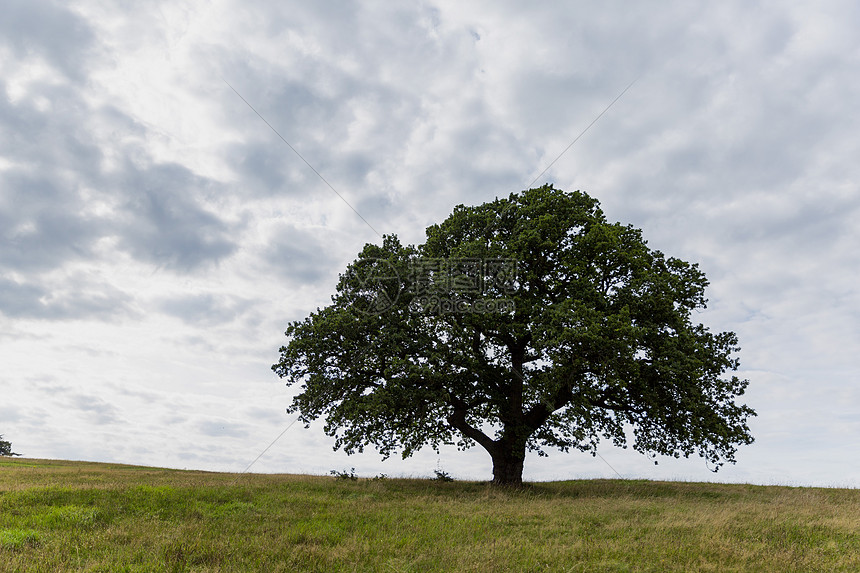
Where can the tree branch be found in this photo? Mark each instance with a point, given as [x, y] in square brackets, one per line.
[540, 413]
[458, 420]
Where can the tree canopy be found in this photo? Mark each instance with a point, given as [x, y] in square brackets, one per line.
[523, 324]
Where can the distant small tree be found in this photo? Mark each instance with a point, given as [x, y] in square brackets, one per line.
[6, 448]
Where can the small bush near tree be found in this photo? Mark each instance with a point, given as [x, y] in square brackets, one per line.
[344, 475]
[442, 475]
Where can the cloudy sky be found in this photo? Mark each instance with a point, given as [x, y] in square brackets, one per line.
[156, 236]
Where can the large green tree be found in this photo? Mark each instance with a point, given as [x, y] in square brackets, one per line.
[521, 324]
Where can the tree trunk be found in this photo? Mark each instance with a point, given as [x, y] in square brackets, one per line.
[508, 458]
[507, 471]
[508, 452]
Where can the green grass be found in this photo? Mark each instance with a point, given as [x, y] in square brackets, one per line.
[73, 516]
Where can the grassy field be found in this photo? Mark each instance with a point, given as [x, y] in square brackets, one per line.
[74, 516]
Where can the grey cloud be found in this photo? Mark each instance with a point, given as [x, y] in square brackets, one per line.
[299, 256]
[565, 89]
[174, 419]
[805, 228]
[223, 429]
[50, 126]
[271, 415]
[309, 122]
[101, 412]
[48, 29]
[378, 209]
[348, 117]
[738, 153]
[296, 102]
[352, 31]
[42, 225]
[205, 309]
[43, 217]
[205, 343]
[165, 221]
[140, 396]
[10, 413]
[17, 299]
[268, 168]
[55, 182]
[376, 127]
[75, 297]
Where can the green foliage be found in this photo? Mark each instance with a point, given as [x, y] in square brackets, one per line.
[592, 334]
[443, 476]
[345, 475]
[6, 448]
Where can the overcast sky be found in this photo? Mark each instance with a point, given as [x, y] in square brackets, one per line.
[156, 236]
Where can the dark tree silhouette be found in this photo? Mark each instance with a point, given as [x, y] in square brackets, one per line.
[6, 448]
[521, 324]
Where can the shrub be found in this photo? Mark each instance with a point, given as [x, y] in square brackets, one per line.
[345, 475]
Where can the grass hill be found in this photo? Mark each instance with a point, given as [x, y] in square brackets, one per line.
[76, 516]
